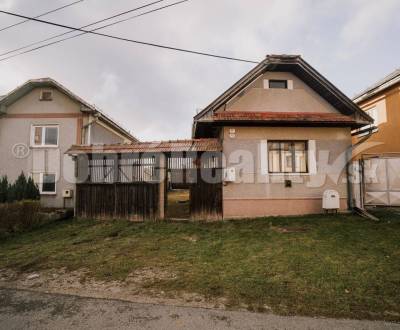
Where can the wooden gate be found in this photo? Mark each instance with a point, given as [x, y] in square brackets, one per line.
[206, 198]
[201, 173]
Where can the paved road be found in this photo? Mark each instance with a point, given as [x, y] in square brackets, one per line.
[20, 309]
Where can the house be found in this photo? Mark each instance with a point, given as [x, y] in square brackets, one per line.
[271, 144]
[378, 144]
[285, 132]
[39, 121]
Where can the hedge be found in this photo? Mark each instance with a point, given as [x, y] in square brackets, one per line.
[20, 216]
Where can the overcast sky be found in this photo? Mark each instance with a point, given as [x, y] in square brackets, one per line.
[155, 93]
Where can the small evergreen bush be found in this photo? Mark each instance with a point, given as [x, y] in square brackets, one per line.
[22, 189]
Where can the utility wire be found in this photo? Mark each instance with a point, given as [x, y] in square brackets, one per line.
[127, 40]
[44, 14]
[68, 32]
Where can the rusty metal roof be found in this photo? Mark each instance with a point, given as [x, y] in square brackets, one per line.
[193, 145]
[282, 117]
[383, 84]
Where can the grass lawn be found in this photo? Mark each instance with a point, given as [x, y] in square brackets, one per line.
[337, 266]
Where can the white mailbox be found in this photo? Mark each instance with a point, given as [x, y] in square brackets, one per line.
[331, 200]
[230, 174]
[67, 193]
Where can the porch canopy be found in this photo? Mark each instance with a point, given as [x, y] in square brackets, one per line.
[172, 146]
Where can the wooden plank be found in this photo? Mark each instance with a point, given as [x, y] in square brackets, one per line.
[206, 199]
[134, 201]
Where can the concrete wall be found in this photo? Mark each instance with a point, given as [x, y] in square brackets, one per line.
[256, 193]
[300, 99]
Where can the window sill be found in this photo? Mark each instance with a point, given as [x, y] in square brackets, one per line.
[289, 174]
[45, 147]
[48, 193]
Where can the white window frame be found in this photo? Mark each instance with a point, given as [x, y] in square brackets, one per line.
[40, 183]
[374, 114]
[311, 160]
[289, 84]
[306, 144]
[43, 145]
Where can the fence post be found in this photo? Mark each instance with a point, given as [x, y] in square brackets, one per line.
[161, 192]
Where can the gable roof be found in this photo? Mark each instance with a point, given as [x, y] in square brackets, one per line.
[86, 107]
[383, 84]
[299, 67]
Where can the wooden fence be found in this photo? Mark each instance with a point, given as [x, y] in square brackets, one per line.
[133, 201]
[133, 186]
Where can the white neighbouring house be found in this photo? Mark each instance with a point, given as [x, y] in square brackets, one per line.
[39, 121]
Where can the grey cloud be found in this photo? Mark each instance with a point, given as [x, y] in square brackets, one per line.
[156, 92]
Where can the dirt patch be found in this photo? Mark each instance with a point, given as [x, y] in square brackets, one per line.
[192, 238]
[286, 230]
[134, 288]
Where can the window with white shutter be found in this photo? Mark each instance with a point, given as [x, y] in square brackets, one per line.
[312, 157]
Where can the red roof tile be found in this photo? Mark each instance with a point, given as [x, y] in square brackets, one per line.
[282, 117]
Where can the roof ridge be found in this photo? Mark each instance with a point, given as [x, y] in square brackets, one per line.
[386, 79]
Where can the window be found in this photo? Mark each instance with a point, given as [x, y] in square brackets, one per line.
[373, 112]
[46, 182]
[278, 84]
[378, 116]
[287, 156]
[45, 136]
[46, 95]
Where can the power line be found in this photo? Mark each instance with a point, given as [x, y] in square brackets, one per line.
[44, 14]
[68, 32]
[128, 40]
[80, 34]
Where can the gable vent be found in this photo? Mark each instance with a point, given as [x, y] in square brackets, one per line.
[46, 95]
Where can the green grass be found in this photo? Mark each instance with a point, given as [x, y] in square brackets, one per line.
[336, 266]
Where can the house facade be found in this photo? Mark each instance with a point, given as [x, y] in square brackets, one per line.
[377, 146]
[286, 138]
[272, 144]
[382, 102]
[39, 121]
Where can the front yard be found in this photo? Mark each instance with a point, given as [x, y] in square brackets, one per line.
[336, 266]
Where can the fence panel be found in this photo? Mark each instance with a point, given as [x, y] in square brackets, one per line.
[133, 201]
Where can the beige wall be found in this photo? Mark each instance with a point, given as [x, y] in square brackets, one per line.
[30, 104]
[387, 139]
[257, 194]
[301, 99]
[15, 128]
[102, 135]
